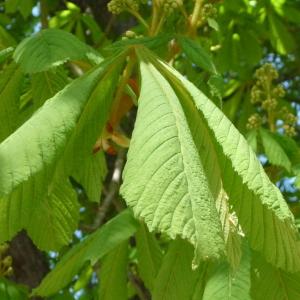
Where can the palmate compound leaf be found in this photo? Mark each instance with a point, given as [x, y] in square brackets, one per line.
[164, 178]
[261, 210]
[37, 159]
[155, 181]
[49, 48]
[107, 238]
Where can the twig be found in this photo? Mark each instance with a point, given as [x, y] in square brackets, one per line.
[138, 17]
[113, 189]
[140, 289]
[44, 14]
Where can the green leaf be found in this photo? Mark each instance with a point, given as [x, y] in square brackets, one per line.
[216, 85]
[176, 278]
[231, 105]
[149, 256]
[37, 159]
[281, 38]
[94, 27]
[91, 174]
[275, 283]
[197, 54]
[84, 278]
[11, 291]
[225, 284]
[46, 84]
[10, 91]
[251, 49]
[113, 274]
[95, 246]
[49, 48]
[6, 40]
[213, 24]
[290, 147]
[261, 210]
[274, 151]
[252, 139]
[24, 6]
[164, 178]
[5, 53]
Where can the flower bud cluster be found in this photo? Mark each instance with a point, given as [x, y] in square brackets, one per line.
[267, 72]
[170, 5]
[289, 130]
[269, 104]
[5, 261]
[254, 121]
[266, 96]
[263, 92]
[209, 11]
[289, 120]
[118, 6]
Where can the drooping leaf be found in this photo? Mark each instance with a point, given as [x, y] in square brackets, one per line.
[49, 48]
[83, 278]
[274, 151]
[11, 291]
[289, 11]
[6, 39]
[164, 179]
[225, 284]
[252, 139]
[113, 274]
[272, 282]
[95, 246]
[259, 205]
[5, 53]
[290, 147]
[251, 49]
[94, 27]
[231, 106]
[197, 54]
[280, 37]
[216, 85]
[46, 84]
[37, 159]
[91, 174]
[176, 279]
[149, 256]
[23, 6]
[10, 91]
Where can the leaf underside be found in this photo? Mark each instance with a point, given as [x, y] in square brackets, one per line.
[171, 180]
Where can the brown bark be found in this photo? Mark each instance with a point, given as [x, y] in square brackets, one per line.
[29, 263]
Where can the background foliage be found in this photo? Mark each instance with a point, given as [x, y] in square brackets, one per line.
[203, 209]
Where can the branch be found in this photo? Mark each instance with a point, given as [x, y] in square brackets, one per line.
[113, 190]
[141, 291]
